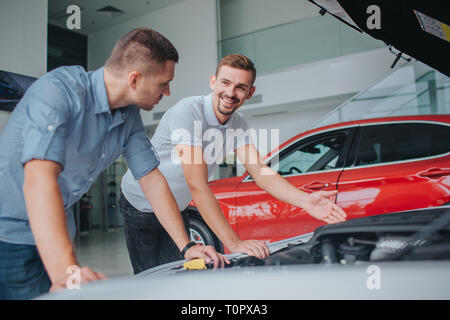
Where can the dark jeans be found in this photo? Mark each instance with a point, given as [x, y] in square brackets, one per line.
[149, 245]
[22, 274]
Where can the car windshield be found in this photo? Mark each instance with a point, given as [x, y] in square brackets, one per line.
[413, 89]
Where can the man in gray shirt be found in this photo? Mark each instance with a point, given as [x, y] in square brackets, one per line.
[185, 138]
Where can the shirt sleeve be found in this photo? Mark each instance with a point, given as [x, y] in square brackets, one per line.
[46, 121]
[140, 154]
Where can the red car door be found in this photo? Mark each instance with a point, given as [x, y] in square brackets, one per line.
[396, 167]
[311, 164]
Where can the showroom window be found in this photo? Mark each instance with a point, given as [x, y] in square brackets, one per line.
[316, 155]
[414, 89]
[397, 142]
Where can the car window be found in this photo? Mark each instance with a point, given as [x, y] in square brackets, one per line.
[403, 141]
[317, 155]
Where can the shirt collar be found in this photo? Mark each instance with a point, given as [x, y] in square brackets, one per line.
[119, 117]
[101, 98]
[210, 116]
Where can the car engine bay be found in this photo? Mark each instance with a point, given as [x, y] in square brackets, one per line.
[416, 235]
[412, 235]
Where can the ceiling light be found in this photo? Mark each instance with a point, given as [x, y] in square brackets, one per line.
[110, 11]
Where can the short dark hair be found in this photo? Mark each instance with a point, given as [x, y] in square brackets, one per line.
[238, 61]
[140, 48]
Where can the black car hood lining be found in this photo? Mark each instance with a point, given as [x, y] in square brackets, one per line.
[401, 29]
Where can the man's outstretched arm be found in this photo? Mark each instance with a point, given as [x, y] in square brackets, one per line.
[317, 204]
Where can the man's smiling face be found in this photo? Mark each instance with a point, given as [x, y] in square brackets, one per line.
[231, 87]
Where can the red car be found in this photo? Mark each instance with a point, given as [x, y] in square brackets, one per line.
[378, 165]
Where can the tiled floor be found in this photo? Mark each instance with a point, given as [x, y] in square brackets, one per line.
[104, 252]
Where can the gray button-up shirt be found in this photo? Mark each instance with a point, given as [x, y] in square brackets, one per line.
[65, 117]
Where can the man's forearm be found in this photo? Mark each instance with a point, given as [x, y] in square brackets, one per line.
[196, 175]
[158, 194]
[269, 180]
[212, 214]
[281, 189]
[48, 223]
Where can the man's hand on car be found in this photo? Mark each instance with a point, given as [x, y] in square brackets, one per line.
[257, 248]
[208, 253]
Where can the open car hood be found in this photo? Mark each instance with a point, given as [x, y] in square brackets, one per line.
[420, 29]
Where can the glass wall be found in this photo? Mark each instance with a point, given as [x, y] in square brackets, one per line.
[299, 42]
[414, 89]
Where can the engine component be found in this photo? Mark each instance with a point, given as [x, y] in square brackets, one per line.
[350, 251]
[388, 245]
[328, 252]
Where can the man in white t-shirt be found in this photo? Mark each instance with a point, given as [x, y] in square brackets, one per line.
[191, 140]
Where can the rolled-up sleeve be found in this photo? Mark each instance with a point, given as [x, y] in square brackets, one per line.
[140, 154]
[46, 122]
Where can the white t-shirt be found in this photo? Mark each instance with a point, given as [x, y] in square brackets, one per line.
[189, 122]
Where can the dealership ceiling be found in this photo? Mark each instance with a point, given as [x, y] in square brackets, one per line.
[100, 14]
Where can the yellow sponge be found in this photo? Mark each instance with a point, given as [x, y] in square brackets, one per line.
[195, 264]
